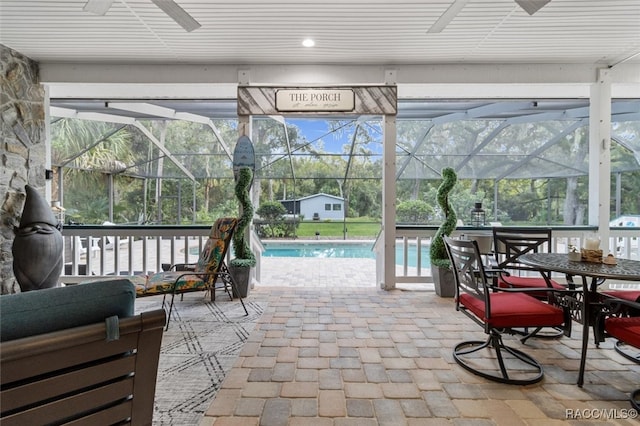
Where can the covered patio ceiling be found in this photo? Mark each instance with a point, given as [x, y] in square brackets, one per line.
[385, 32]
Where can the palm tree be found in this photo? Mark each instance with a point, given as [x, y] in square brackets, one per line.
[88, 152]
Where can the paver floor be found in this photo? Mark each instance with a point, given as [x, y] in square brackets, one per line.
[332, 349]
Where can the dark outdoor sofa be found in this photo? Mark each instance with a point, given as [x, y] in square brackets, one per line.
[78, 355]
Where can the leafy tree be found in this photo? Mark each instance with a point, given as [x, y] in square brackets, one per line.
[414, 211]
[624, 162]
[273, 213]
[574, 207]
[90, 152]
[365, 198]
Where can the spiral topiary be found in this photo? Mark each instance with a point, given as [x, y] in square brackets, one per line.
[243, 254]
[438, 252]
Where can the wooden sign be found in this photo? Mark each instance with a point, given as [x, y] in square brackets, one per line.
[315, 100]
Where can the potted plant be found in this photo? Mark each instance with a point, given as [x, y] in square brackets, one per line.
[440, 266]
[240, 266]
[574, 254]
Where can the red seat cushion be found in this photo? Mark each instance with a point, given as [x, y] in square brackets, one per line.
[514, 310]
[632, 296]
[526, 282]
[514, 281]
[626, 329]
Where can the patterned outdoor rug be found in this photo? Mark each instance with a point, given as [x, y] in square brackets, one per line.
[199, 349]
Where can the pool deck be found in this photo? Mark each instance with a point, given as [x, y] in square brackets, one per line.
[308, 272]
[317, 272]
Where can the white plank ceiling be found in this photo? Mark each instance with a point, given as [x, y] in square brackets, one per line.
[346, 32]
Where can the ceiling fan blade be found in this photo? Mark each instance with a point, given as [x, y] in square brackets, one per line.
[532, 6]
[447, 16]
[178, 14]
[98, 7]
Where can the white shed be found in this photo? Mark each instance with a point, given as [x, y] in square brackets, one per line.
[317, 206]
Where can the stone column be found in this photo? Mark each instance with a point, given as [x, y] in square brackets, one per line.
[22, 149]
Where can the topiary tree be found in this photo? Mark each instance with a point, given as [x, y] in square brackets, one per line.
[438, 252]
[244, 255]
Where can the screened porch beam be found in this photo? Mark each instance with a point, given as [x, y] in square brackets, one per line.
[569, 129]
[164, 149]
[488, 110]
[111, 118]
[96, 143]
[482, 144]
[164, 112]
[413, 152]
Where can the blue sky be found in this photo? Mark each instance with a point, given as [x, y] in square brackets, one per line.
[314, 129]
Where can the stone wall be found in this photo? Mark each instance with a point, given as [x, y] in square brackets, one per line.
[22, 149]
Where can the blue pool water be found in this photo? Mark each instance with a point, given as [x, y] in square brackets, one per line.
[357, 250]
[340, 250]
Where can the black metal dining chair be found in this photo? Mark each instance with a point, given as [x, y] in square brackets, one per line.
[633, 296]
[509, 244]
[498, 311]
[620, 325]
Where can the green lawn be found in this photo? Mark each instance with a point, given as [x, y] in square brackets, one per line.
[355, 228]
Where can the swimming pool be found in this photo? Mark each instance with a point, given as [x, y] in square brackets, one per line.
[336, 249]
[341, 250]
[359, 250]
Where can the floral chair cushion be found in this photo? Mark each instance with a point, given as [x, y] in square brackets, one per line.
[139, 281]
[163, 282]
[211, 257]
[214, 249]
[223, 227]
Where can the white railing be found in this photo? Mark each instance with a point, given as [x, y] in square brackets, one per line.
[121, 250]
[144, 249]
[105, 251]
[412, 267]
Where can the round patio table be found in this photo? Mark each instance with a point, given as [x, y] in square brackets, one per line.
[625, 269]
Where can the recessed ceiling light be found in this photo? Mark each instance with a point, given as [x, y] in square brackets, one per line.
[307, 42]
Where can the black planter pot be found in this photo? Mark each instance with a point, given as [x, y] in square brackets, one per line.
[241, 276]
[443, 281]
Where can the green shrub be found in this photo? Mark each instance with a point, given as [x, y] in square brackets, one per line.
[414, 211]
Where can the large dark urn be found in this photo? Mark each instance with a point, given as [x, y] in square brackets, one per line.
[37, 247]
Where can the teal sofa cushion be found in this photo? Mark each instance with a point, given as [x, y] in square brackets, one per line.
[43, 311]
